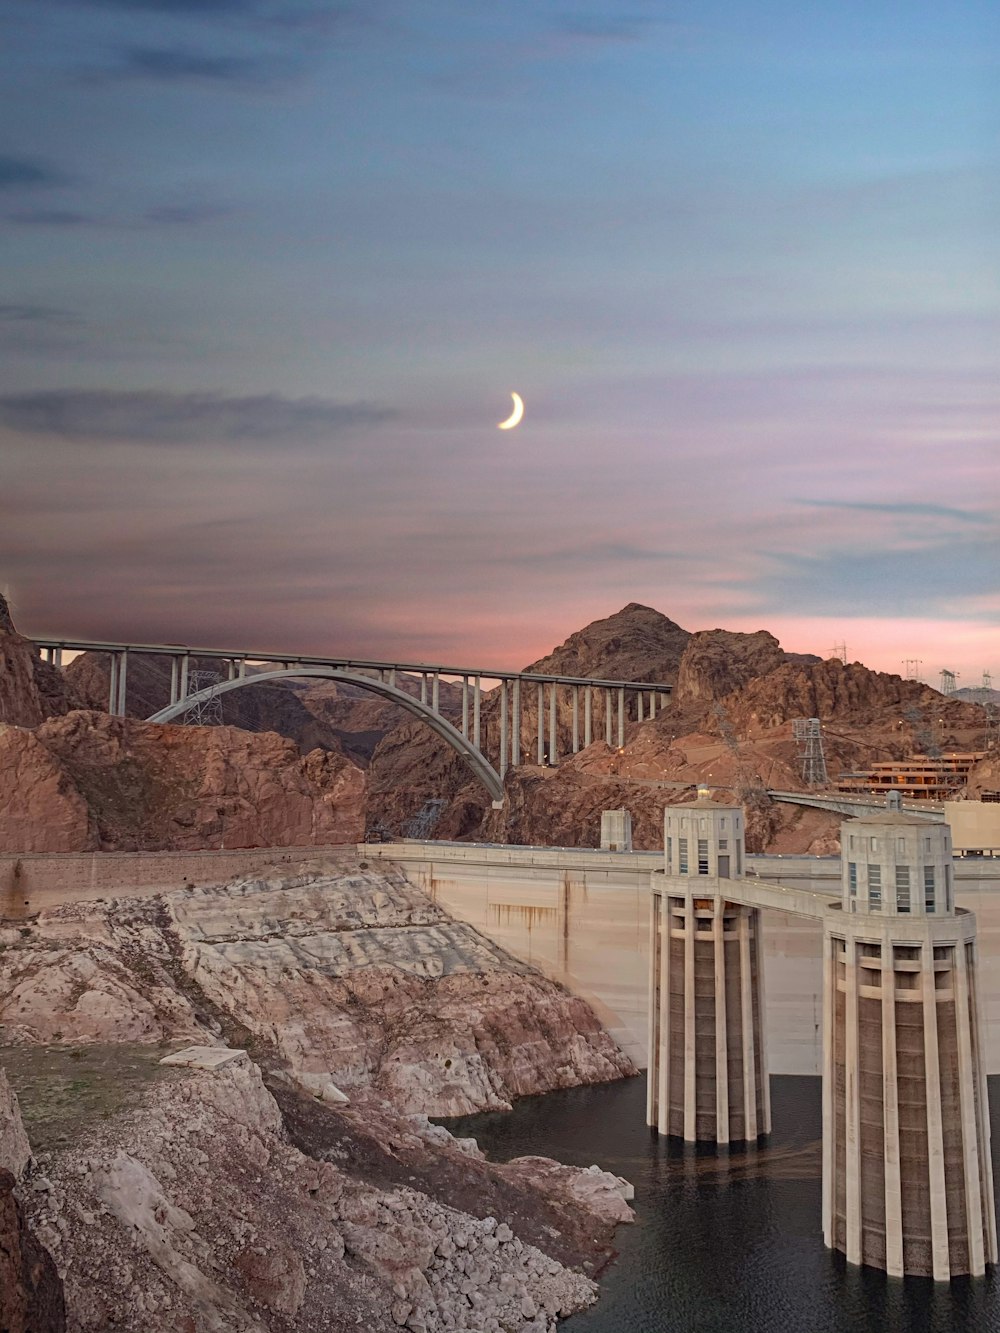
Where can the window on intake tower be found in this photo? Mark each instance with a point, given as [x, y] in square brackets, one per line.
[682, 855]
[902, 888]
[875, 888]
[930, 888]
[702, 856]
[852, 877]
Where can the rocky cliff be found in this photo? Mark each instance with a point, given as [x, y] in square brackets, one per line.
[88, 781]
[716, 662]
[30, 690]
[833, 692]
[235, 1192]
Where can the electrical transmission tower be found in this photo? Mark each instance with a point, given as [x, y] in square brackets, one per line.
[749, 787]
[839, 651]
[911, 668]
[923, 735]
[812, 762]
[204, 712]
[948, 679]
[985, 692]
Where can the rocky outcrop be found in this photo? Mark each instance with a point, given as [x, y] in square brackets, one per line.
[718, 661]
[15, 1151]
[833, 692]
[234, 1192]
[31, 1295]
[199, 1213]
[352, 977]
[89, 781]
[30, 689]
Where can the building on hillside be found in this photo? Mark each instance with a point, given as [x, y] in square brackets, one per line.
[919, 778]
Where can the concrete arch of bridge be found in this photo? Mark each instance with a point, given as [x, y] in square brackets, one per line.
[480, 766]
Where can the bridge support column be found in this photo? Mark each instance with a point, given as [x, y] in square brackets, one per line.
[423, 688]
[183, 688]
[436, 693]
[541, 724]
[707, 1056]
[112, 683]
[608, 711]
[122, 676]
[621, 717]
[504, 724]
[515, 730]
[588, 711]
[465, 706]
[553, 741]
[639, 706]
[476, 711]
[576, 719]
[652, 705]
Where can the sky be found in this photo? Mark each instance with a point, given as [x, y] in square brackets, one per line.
[272, 268]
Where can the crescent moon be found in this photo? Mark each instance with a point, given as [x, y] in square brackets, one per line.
[515, 416]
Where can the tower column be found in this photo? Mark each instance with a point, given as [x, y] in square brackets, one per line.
[707, 1069]
[907, 1173]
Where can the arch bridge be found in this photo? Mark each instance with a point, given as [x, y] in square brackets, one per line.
[593, 704]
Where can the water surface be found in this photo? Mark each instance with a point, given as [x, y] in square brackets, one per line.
[727, 1242]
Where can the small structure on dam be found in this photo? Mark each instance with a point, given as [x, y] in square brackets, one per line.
[907, 1173]
[707, 1057]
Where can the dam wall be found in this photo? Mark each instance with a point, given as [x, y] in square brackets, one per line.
[31, 881]
[581, 916]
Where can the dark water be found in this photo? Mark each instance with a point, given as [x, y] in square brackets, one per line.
[727, 1243]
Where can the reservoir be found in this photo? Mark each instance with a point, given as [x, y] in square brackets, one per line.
[727, 1241]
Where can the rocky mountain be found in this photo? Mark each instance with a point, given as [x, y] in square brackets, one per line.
[244, 1193]
[636, 643]
[88, 781]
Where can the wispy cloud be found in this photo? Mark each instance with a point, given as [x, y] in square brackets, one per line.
[603, 28]
[154, 417]
[904, 509]
[183, 65]
[859, 582]
[49, 217]
[186, 215]
[21, 314]
[18, 172]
